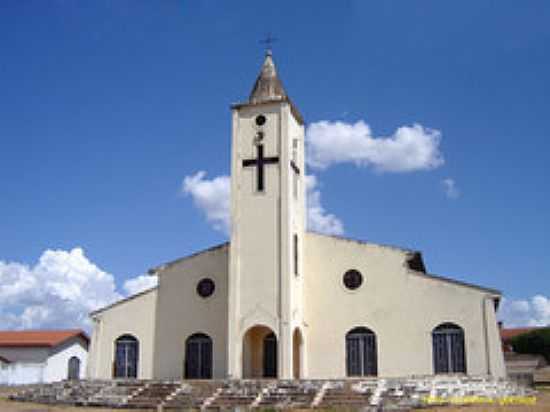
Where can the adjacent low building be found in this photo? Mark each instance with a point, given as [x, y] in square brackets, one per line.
[42, 356]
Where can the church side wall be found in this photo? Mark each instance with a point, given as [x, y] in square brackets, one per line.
[182, 312]
[400, 306]
[136, 317]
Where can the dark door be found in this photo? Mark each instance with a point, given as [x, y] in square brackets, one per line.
[198, 357]
[126, 357]
[361, 353]
[74, 368]
[448, 349]
[270, 356]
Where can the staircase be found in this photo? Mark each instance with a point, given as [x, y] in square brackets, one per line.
[378, 394]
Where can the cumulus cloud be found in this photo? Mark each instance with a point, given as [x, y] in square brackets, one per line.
[410, 148]
[318, 220]
[59, 291]
[139, 284]
[212, 197]
[525, 312]
[450, 188]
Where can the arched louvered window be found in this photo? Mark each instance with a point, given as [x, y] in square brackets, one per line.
[73, 368]
[126, 357]
[198, 357]
[361, 358]
[448, 349]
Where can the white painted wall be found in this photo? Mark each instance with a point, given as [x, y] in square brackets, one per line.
[182, 312]
[135, 316]
[22, 373]
[40, 365]
[57, 364]
[400, 306]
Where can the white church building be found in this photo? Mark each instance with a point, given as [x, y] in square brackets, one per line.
[279, 301]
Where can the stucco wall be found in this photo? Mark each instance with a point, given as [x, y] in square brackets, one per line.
[38, 365]
[182, 312]
[22, 373]
[135, 316]
[402, 308]
[57, 365]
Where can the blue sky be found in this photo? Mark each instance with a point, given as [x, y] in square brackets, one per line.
[107, 106]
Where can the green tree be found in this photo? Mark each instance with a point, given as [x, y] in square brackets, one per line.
[535, 342]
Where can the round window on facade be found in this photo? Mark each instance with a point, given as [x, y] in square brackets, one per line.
[260, 120]
[206, 287]
[353, 279]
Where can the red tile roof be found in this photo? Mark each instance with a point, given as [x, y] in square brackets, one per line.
[39, 338]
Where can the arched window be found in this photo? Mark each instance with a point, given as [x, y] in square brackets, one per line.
[448, 349]
[126, 357]
[198, 357]
[73, 369]
[361, 359]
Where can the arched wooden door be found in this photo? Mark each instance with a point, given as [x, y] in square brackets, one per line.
[126, 357]
[448, 349]
[73, 368]
[198, 357]
[361, 359]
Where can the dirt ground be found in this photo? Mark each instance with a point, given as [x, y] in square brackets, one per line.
[542, 405]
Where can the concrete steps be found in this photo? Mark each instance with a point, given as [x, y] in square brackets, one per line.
[379, 394]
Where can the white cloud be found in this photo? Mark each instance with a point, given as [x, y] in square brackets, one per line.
[525, 312]
[140, 283]
[318, 220]
[58, 292]
[410, 148]
[210, 196]
[450, 188]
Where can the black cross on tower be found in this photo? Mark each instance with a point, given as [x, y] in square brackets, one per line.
[259, 163]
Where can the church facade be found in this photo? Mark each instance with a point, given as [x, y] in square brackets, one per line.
[278, 301]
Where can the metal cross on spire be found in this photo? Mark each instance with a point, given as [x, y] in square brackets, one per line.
[268, 42]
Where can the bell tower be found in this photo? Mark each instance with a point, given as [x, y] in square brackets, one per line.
[267, 227]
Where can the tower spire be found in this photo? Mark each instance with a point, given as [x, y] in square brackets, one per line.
[268, 86]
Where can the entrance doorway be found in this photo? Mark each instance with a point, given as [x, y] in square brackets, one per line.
[198, 357]
[259, 353]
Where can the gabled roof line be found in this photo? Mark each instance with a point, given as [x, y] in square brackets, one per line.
[157, 269]
[123, 300]
[429, 275]
[461, 283]
[45, 338]
[364, 242]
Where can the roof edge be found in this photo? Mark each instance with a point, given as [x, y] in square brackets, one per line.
[363, 242]
[496, 292]
[123, 300]
[157, 269]
[74, 333]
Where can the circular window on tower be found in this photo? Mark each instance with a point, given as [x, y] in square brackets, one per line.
[206, 287]
[260, 120]
[353, 279]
